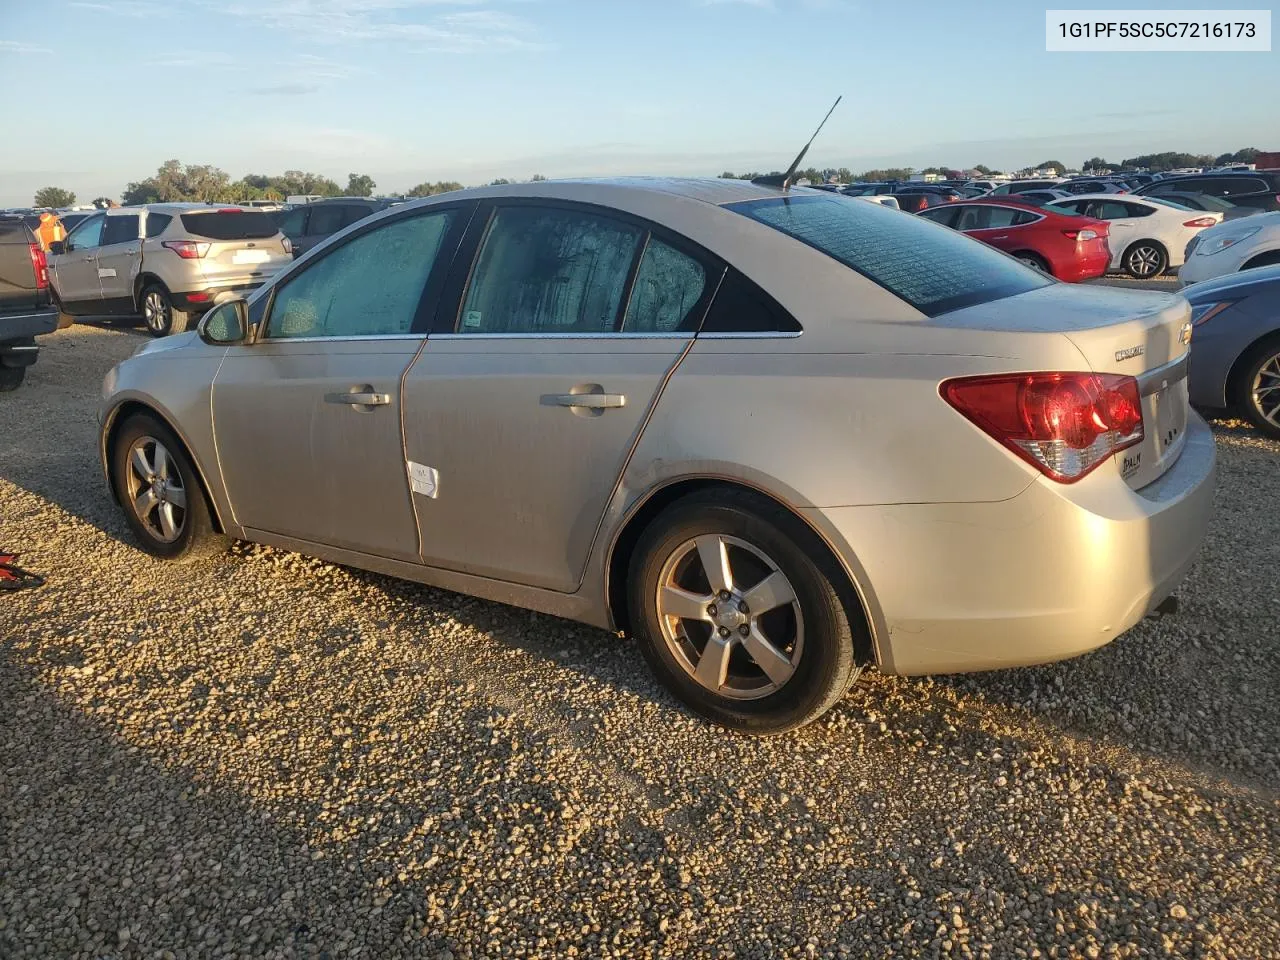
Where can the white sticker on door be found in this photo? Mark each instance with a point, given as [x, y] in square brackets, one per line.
[471, 320]
[424, 480]
[105, 272]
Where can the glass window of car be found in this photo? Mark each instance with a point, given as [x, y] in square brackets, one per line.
[156, 224]
[944, 215]
[1238, 186]
[1109, 210]
[355, 212]
[88, 235]
[1137, 209]
[549, 271]
[669, 284]
[741, 306]
[294, 222]
[933, 270]
[120, 229]
[1170, 187]
[1175, 204]
[326, 219]
[368, 286]
[1070, 208]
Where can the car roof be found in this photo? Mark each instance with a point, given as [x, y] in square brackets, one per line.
[1118, 197]
[174, 207]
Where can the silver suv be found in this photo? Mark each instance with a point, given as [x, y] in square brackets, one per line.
[168, 262]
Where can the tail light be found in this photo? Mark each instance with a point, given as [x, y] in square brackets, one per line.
[1063, 424]
[40, 264]
[187, 249]
[1201, 222]
[1085, 234]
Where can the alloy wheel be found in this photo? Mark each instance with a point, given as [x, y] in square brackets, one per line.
[730, 617]
[155, 311]
[1144, 261]
[1033, 263]
[1265, 391]
[156, 493]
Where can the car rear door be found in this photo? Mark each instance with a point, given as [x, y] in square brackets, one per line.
[119, 259]
[324, 221]
[997, 226]
[522, 411]
[1126, 226]
[74, 274]
[308, 418]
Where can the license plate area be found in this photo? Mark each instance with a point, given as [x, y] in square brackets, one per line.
[250, 256]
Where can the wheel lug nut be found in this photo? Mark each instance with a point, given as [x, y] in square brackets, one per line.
[742, 607]
[724, 631]
[712, 609]
[724, 594]
[744, 630]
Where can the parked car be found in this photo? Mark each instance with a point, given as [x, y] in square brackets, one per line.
[1235, 354]
[1147, 237]
[1232, 246]
[1259, 189]
[1041, 197]
[984, 185]
[25, 309]
[680, 409]
[1070, 248]
[870, 189]
[1019, 186]
[883, 200]
[1091, 185]
[913, 201]
[168, 262]
[308, 226]
[73, 217]
[1199, 201]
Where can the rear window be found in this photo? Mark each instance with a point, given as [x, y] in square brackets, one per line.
[230, 225]
[932, 268]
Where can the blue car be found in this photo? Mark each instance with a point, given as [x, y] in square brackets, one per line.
[1235, 347]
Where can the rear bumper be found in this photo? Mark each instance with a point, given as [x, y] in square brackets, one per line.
[208, 297]
[1051, 573]
[1083, 267]
[24, 326]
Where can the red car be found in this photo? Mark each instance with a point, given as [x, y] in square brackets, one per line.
[1067, 247]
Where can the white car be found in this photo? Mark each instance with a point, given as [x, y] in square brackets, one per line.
[1148, 236]
[884, 200]
[1232, 246]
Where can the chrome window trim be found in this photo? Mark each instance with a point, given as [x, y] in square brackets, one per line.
[353, 339]
[752, 335]
[563, 336]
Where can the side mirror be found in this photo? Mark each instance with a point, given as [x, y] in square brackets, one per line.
[58, 247]
[226, 324]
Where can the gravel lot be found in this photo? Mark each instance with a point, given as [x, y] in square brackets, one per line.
[263, 755]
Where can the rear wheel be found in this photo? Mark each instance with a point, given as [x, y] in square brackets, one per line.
[1034, 261]
[156, 484]
[11, 378]
[1263, 260]
[1258, 389]
[1145, 260]
[738, 615]
[159, 313]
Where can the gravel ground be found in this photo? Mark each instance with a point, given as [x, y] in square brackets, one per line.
[263, 755]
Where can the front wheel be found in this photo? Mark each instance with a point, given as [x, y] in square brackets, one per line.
[1145, 260]
[156, 485]
[737, 614]
[1259, 389]
[159, 313]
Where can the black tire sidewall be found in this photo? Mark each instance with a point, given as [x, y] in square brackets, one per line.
[11, 378]
[825, 663]
[197, 525]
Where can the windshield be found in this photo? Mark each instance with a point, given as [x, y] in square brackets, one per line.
[932, 267]
[1166, 202]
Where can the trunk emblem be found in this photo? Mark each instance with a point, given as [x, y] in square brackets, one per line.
[1130, 352]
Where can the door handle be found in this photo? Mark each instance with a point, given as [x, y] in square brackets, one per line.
[358, 399]
[1002, 237]
[88, 259]
[588, 401]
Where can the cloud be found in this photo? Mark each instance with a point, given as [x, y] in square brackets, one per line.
[15, 47]
[136, 9]
[436, 26]
[286, 89]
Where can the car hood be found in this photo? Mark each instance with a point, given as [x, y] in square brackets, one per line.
[178, 341]
[1242, 225]
[1245, 283]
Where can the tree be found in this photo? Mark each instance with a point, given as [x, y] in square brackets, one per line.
[893, 173]
[844, 175]
[1056, 165]
[102, 202]
[431, 189]
[54, 197]
[537, 178]
[297, 183]
[1097, 163]
[142, 191]
[1168, 160]
[1244, 155]
[980, 168]
[360, 185]
[500, 182]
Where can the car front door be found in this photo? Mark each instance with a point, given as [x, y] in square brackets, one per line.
[1124, 226]
[75, 272]
[308, 417]
[119, 259]
[1000, 227]
[521, 414]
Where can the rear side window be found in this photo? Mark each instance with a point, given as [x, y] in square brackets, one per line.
[230, 225]
[327, 219]
[741, 306]
[669, 285]
[1138, 209]
[1236, 186]
[120, 229]
[294, 222]
[355, 213]
[935, 270]
[156, 224]
[550, 271]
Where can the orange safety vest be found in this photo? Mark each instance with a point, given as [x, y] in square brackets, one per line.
[51, 229]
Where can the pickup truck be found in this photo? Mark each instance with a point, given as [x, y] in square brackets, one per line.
[25, 308]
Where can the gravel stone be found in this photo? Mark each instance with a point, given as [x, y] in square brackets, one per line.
[263, 755]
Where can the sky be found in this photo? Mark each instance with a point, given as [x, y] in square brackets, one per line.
[469, 90]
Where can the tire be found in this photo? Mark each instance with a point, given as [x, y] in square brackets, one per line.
[159, 313]
[11, 378]
[187, 533]
[810, 635]
[1145, 260]
[1263, 260]
[1034, 261]
[1257, 389]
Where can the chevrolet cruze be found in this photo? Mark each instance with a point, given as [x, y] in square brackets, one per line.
[774, 435]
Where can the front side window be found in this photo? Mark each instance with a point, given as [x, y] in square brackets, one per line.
[944, 215]
[549, 271]
[369, 286]
[88, 235]
[120, 229]
[933, 270]
[669, 284]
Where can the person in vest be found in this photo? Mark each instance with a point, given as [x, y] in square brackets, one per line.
[51, 229]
